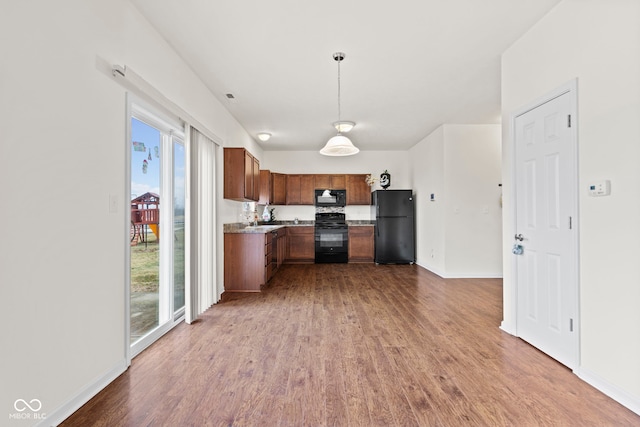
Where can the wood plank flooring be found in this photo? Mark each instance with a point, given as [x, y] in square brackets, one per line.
[351, 345]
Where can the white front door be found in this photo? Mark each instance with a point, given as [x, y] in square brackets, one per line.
[546, 227]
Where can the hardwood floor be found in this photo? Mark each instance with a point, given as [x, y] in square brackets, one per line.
[351, 345]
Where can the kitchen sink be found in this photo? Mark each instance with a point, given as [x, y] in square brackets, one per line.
[262, 227]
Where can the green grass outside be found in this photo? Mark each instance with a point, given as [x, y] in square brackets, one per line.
[145, 261]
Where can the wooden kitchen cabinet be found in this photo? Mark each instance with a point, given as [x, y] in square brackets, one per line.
[322, 182]
[241, 175]
[307, 190]
[361, 243]
[300, 189]
[255, 179]
[275, 253]
[266, 187]
[358, 191]
[300, 245]
[245, 256]
[279, 185]
[281, 253]
[338, 182]
[293, 189]
[273, 188]
[330, 182]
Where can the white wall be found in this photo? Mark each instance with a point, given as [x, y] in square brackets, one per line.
[473, 214]
[62, 155]
[597, 42]
[459, 233]
[365, 162]
[428, 165]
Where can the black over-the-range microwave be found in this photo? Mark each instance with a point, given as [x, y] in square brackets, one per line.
[331, 197]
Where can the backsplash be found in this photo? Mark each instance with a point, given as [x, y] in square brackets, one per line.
[330, 209]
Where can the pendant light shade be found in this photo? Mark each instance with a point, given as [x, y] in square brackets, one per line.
[339, 145]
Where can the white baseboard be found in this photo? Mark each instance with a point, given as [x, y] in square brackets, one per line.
[90, 390]
[508, 328]
[473, 276]
[461, 276]
[616, 393]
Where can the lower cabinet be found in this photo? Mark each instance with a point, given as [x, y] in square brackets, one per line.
[361, 243]
[252, 259]
[281, 252]
[247, 258]
[300, 245]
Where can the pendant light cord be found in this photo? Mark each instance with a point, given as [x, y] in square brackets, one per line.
[339, 118]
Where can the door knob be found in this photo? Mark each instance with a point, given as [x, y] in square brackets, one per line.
[519, 237]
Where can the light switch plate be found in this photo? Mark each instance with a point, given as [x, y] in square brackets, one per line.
[113, 203]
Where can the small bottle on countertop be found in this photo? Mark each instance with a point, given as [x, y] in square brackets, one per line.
[295, 220]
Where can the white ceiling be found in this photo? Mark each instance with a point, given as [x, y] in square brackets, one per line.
[410, 65]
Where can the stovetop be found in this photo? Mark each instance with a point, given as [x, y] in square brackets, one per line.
[330, 219]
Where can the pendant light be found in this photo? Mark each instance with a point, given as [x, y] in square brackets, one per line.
[339, 145]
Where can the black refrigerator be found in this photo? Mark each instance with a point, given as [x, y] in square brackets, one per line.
[395, 226]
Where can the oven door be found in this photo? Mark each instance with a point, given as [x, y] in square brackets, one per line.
[331, 244]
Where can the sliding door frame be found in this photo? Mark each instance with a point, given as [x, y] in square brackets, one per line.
[138, 109]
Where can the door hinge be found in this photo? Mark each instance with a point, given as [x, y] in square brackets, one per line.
[569, 120]
[570, 325]
[570, 223]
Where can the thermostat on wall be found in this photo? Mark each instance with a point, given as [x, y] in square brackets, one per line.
[600, 188]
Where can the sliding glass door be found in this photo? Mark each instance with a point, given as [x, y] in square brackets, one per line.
[157, 228]
[179, 188]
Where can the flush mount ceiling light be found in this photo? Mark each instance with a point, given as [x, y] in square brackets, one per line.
[263, 136]
[339, 145]
[343, 126]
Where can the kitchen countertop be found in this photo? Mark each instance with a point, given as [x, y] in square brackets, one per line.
[262, 228]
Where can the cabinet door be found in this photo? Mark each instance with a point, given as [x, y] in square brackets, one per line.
[322, 182]
[255, 185]
[266, 188]
[244, 267]
[307, 189]
[282, 247]
[279, 183]
[234, 175]
[358, 191]
[361, 244]
[248, 176]
[300, 244]
[338, 182]
[293, 189]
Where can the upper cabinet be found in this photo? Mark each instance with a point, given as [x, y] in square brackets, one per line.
[279, 185]
[300, 189]
[241, 175]
[266, 188]
[244, 181]
[358, 191]
[273, 188]
[307, 190]
[330, 182]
